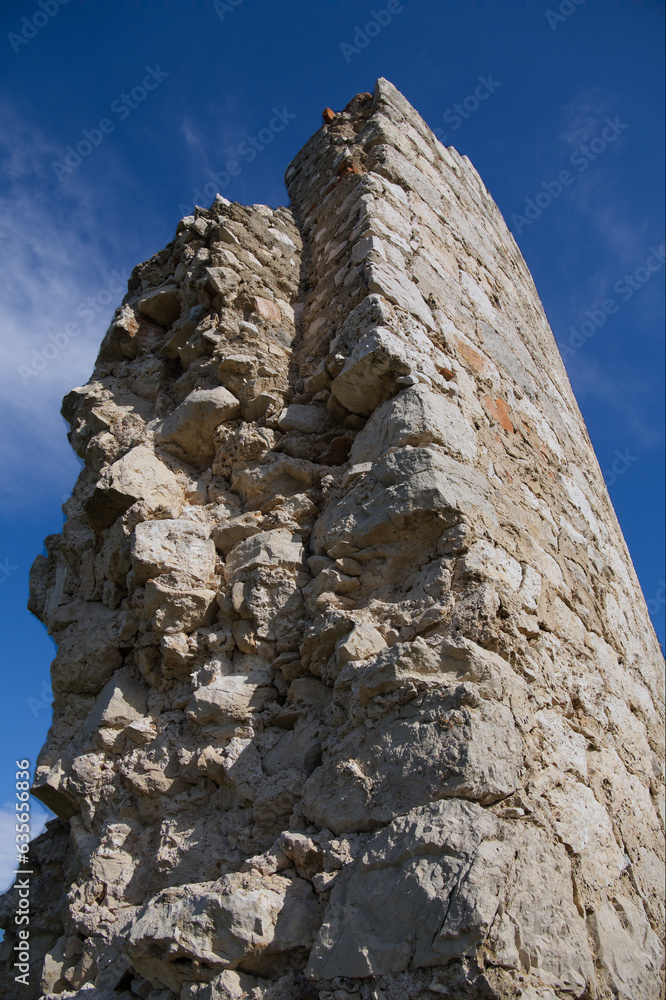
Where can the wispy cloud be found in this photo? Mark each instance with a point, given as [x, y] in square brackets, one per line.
[50, 262]
[579, 118]
[627, 239]
[593, 383]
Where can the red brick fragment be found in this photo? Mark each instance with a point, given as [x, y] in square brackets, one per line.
[472, 357]
[348, 168]
[497, 409]
[328, 115]
[503, 416]
[266, 309]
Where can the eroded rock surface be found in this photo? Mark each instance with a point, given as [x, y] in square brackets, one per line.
[356, 693]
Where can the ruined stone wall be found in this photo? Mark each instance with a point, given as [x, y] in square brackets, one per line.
[356, 692]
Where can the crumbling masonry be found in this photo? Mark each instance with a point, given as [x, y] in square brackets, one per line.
[356, 694]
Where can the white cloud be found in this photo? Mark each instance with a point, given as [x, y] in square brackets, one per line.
[51, 261]
[8, 862]
[584, 114]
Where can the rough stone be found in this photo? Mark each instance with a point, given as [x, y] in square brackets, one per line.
[138, 475]
[455, 868]
[416, 416]
[172, 546]
[191, 425]
[242, 921]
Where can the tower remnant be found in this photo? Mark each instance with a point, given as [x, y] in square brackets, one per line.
[356, 692]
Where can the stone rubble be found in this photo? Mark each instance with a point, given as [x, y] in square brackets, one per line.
[356, 693]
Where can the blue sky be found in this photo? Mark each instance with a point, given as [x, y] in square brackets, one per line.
[161, 95]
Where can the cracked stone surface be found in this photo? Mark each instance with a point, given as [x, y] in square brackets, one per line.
[356, 694]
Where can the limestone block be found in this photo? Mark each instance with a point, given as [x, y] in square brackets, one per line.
[452, 865]
[50, 786]
[490, 562]
[138, 475]
[126, 338]
[371, 372]
[275, 800]
[244, 921]
[88, 654]
[299, 749]
[177, 609]
[191, 425]
[121, 701]
[272, 598]
[473, 752]
[404, 491]
[307, 419]
[229, 985]
[265, 549]
[172, 545]
[234, 529]
[115, 869]
[583, 824]
[416, 416]
[309, 691]
[222, 280]
[240, 764]
[362, 642]
[320, 640]
[629, 950]
[260, 482]
[530, 588]
[563, 747]
[229, 699]
[161, 304]
[54, 965]
[403, 664]
[395, 286]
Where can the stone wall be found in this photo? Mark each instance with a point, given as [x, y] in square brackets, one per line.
[356, 692]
